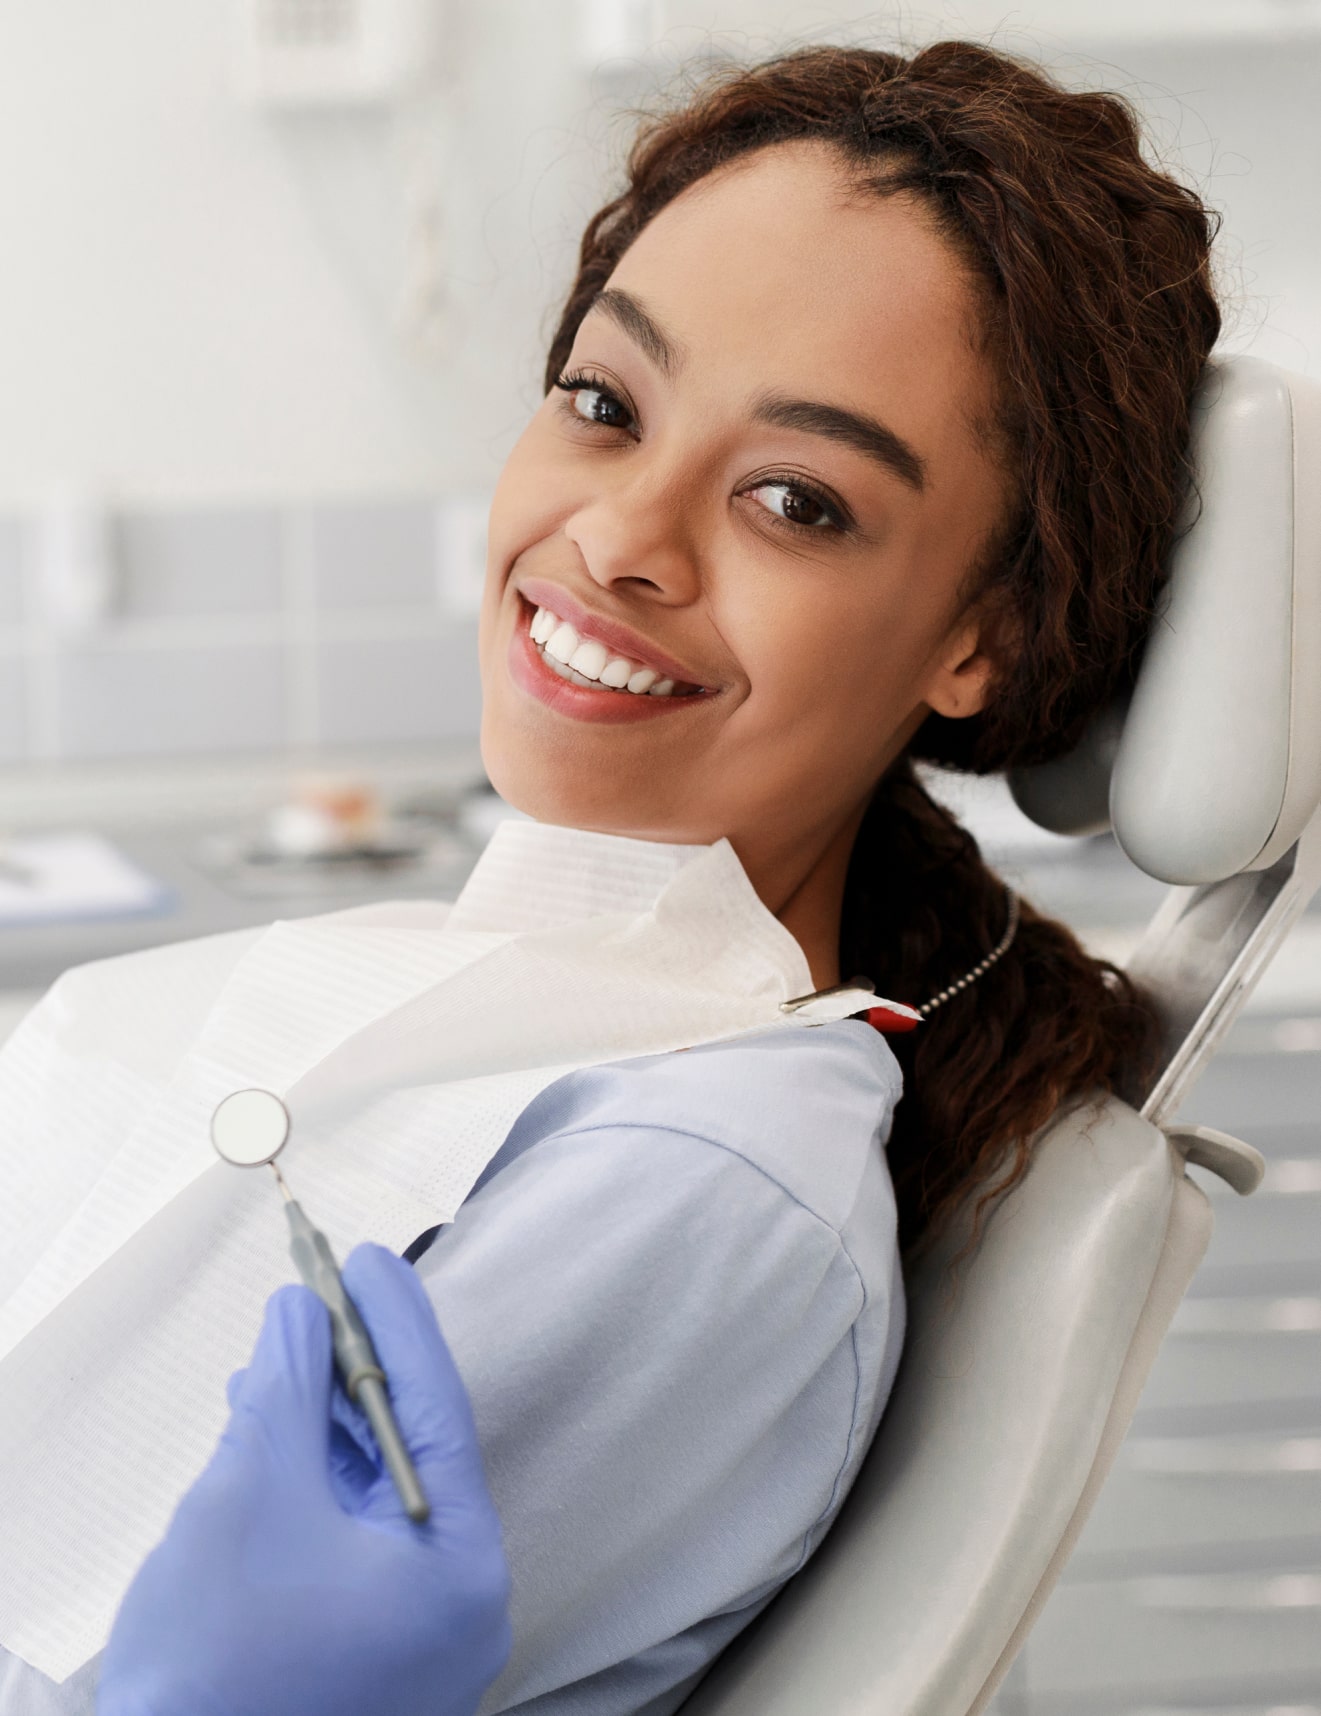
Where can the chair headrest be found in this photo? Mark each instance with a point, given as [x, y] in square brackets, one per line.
[1215, 766]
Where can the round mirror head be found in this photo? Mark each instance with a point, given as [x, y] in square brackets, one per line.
[250, 1128]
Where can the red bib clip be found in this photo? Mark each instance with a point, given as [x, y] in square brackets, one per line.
[892, 1017]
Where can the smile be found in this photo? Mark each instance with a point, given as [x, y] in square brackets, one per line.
[587, 662]
[562, 666]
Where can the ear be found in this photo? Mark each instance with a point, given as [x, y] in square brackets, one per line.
[962, 672]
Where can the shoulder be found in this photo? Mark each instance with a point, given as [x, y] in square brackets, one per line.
[737, 1186]
[806, 1110]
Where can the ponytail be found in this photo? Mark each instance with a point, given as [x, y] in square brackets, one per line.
[992, 1064]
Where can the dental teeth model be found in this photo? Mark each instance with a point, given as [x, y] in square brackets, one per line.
[585, 661]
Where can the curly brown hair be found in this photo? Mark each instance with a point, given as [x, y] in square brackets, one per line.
[1099, 312]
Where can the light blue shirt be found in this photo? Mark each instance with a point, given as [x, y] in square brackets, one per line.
[675, 1298]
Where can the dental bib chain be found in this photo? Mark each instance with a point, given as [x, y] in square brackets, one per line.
[894, 1016]
[969, 977]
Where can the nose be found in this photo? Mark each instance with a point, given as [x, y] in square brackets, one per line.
[633, 534]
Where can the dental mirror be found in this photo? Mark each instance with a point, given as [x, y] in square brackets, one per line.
[250, 1128]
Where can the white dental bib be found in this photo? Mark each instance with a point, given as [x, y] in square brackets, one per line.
[405, 1040]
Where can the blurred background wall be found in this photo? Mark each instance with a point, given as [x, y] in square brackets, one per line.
[262, 356]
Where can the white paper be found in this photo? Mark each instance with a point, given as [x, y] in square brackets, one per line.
[405, 1041]
[54, 878]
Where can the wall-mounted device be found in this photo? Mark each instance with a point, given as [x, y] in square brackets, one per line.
[618, 29]
[319, 53]
[73, 560]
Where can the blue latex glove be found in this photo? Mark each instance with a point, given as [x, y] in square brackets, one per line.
[290, 1581]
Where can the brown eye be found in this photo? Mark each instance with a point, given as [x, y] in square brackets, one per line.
[599, 407]
[802, 509]
[796, 506]
[596, 405]
[593, 402]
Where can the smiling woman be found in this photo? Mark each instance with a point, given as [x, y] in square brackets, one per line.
[866, 418]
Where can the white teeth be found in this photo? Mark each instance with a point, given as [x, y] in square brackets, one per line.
[562, 642]
[586, 661]
[589, 658]
[566, 672]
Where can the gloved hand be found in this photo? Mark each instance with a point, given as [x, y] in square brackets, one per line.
[290, 1581]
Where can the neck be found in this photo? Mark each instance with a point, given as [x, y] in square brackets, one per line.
[808, 897]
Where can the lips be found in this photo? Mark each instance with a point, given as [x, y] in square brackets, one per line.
[587, 662]
[583, 699]
[618, 639]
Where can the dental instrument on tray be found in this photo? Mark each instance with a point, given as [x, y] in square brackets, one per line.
[249, 1129]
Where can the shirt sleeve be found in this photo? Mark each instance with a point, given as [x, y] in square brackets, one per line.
[658, 1341]
[26, 1692]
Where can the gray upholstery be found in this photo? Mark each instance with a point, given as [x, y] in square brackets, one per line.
[1015, 1389]
[1215, 766]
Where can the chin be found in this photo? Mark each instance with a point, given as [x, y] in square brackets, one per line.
[559, 793]
[551, 790]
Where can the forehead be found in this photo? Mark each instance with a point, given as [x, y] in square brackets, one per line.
[779, 271]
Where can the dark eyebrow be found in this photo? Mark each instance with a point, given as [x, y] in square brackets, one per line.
[641, 327]
[852, 428]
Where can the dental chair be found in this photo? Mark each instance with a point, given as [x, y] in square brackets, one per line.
[1022, 1369]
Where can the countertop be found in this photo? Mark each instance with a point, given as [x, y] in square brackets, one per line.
[182, 827]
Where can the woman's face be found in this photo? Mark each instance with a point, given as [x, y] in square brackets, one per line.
[764, 477]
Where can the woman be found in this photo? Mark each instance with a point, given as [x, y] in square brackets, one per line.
[864, 443]
[985, 263]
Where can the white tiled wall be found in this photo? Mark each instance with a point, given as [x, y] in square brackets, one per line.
[11, 573]
[137, 699]
[374, 689]
[14, 725]
[374, 556]
[172, 565]
[242, 629]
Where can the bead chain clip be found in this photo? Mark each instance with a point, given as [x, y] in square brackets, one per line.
[997, 952]
[928, 1007]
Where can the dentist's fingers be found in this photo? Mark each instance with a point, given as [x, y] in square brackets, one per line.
[282, 1399]
[429, 1399]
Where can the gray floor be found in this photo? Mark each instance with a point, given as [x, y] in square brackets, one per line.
[1196, 1586]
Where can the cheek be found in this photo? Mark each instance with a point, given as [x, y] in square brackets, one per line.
[515, 506]
[833, 657]
[535, 493]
